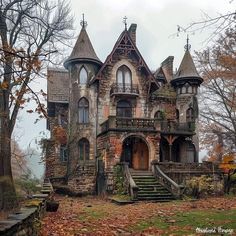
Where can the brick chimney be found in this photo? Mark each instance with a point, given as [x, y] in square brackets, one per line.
[132, 32]
[167, 66]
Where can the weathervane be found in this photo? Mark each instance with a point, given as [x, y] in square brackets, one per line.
[83, 23]
[125, 21]
[187, 46]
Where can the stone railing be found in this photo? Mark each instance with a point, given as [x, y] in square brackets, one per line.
[175, 127]
[26, 221]
[132, 187]
[131, 89]
[147, 124]
[187, 167]
[176, 189]
[123, 123]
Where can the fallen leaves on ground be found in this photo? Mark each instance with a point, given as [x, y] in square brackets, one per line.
[97, 216]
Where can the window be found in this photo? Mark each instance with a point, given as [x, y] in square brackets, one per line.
[184, 89]
[83, 149]
[177, 115]
[189, 115]
[63, 153]
[158, 115]
[83, 111]
[123, 76]
[83, 76]
[124, 109]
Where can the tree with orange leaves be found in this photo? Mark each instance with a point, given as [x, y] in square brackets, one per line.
[31, 31]
[218, 96]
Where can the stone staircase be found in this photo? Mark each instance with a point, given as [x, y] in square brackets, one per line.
[149, 188]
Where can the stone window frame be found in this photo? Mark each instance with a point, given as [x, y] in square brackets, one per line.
[123, 69]
[159, 115]
[63, 153]
[83, 111]
[83, 68]
[190, 114]
[124, 109]
[84, 149]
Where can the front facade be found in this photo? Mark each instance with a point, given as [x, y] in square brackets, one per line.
[118, 111]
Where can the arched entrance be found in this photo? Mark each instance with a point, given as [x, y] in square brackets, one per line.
[135, 152]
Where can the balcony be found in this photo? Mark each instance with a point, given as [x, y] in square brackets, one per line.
[124, 89]
[128, 124]
[114, 123]
[173, 127]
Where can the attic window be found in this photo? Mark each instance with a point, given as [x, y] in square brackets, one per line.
[83, 76]
[123, 76]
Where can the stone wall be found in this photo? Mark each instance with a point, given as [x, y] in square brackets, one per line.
[26, 221]
[83, 179]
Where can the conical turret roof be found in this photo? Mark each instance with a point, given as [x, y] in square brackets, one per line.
[187, 67]
[187, 71]
[83, 50]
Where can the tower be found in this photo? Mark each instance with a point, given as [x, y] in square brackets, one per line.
[186, 83]
[82, 66]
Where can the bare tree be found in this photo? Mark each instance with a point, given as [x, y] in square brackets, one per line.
[218, 96]
[31, 31]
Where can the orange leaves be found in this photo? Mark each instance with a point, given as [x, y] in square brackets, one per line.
[60, 134]
[228, 162]
[4, 85]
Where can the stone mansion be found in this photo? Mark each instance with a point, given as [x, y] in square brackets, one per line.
[119, 111]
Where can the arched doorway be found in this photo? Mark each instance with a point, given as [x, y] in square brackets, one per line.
[135, 152]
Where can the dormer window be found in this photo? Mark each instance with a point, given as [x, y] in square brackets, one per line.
[83, 76]
[123, 76]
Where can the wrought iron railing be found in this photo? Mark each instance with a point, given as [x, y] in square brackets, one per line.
[117, 88]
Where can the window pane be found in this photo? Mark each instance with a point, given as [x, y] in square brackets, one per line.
[124, 109]
[83, 111]
[83, 76]
[119, 77]
[127, 77]
[84, 149]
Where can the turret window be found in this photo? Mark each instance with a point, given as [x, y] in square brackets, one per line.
[189, 115]
[83, 107]
[83, 149]
[83, 76]
[123, 76]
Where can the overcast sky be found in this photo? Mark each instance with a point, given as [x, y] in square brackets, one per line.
[157, 22]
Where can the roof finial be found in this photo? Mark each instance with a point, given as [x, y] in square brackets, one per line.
[125, 22]
[83, 23]
[187, 46]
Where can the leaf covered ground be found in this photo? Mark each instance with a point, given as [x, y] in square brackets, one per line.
[97, 216]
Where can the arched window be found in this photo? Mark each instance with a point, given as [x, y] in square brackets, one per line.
[83, 107]
[184, 89]
[83, 149]
[158, 115]
[124, 109]
[123, 77]
[189, 115]
[83, 76]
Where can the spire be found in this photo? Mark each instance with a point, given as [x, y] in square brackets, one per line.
[125, 22]
[187, 67]
[83, 49]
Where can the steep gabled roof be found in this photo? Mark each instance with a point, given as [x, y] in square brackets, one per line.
[125, 44]
[83, 50]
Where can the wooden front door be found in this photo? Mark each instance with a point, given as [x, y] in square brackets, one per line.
[140, 156]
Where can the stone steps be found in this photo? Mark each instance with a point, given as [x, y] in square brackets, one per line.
[149, 188]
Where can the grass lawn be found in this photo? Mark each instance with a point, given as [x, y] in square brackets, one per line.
[99, 216]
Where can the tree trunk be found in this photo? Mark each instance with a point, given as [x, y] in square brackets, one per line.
[8, 199]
